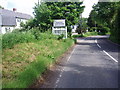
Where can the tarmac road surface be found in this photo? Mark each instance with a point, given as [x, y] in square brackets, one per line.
[93, 63]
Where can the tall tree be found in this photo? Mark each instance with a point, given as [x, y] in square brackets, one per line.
[1, 6]
[106, 16]
[66, 10]
[46, 12]
[42, 16]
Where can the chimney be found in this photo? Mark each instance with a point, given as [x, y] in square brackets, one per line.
[14, 9]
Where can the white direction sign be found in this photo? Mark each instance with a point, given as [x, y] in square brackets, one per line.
[59, 23]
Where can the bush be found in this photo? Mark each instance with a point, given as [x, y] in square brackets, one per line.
[60, 36]
[75, 41]
[36, 33]
[90, 34]
[10, 39]
[103, 30]
[76, 36]
[17, 36]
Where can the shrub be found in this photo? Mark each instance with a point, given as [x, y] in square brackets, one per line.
[18, 36]
[103, 30]
[36, 33]
[79, 35]
[10, 39]
[90, 34]
[60, 36]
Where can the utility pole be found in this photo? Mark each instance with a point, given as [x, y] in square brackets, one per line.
[38, 2]
[95, 27]
[81, 23]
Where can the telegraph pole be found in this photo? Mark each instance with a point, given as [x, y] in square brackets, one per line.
[80, 23]
[95, 27]
[38, 2]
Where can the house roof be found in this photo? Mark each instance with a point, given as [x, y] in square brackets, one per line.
[8, 21]
[9, 17]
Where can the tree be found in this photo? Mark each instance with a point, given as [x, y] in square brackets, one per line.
[91, 19]
[42, 16]
[70, 11]
[46, 12]
[1, 7]
[106, 15]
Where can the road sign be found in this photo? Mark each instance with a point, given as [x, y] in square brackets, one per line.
[59, 23]
[59, 27]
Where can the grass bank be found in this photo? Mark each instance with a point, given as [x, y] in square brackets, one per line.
[85, 34]
[24, 62]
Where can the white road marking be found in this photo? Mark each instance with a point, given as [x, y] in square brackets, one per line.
[58, 80]
[110, 56]
[63, 69]
[106, 52]
[98, 45]
[60, 75]
[71, 54]
[56, 86]
[96, 41]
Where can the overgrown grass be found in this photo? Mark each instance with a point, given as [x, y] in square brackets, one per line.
[26, 61]
[10, 39]
[90, 34]
[76, 36]
[85, 34]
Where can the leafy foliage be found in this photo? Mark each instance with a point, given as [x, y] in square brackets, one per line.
[82, 26]
[11, 39]
[105, 15]
[46, 12]
[1, 6]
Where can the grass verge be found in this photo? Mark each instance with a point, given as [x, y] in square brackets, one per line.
[90, 34]
[85, 35]
[25, 62]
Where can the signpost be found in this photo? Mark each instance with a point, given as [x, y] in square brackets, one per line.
[59, 27]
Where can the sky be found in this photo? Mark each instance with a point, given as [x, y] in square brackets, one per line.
[26, 6]
[88, 7]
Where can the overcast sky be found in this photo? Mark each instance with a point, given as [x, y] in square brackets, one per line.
[26, 6]
[88, 7]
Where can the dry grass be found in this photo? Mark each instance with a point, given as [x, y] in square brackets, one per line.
[30, 58]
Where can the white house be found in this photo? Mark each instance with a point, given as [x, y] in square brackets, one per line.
[74, 27]
[10, 20]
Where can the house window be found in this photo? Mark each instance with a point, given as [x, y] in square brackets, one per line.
[18, 20]
[7, 29]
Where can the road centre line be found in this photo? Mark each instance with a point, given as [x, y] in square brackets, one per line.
[98, 45]
[106, 52]
[96, 41]
[110, 56]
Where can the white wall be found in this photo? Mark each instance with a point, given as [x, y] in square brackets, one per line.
[74, 29]
[0, 23]
[6, 29]
[0, 29]
[18, 21]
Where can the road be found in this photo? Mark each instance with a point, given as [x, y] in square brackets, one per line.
[93, 63]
